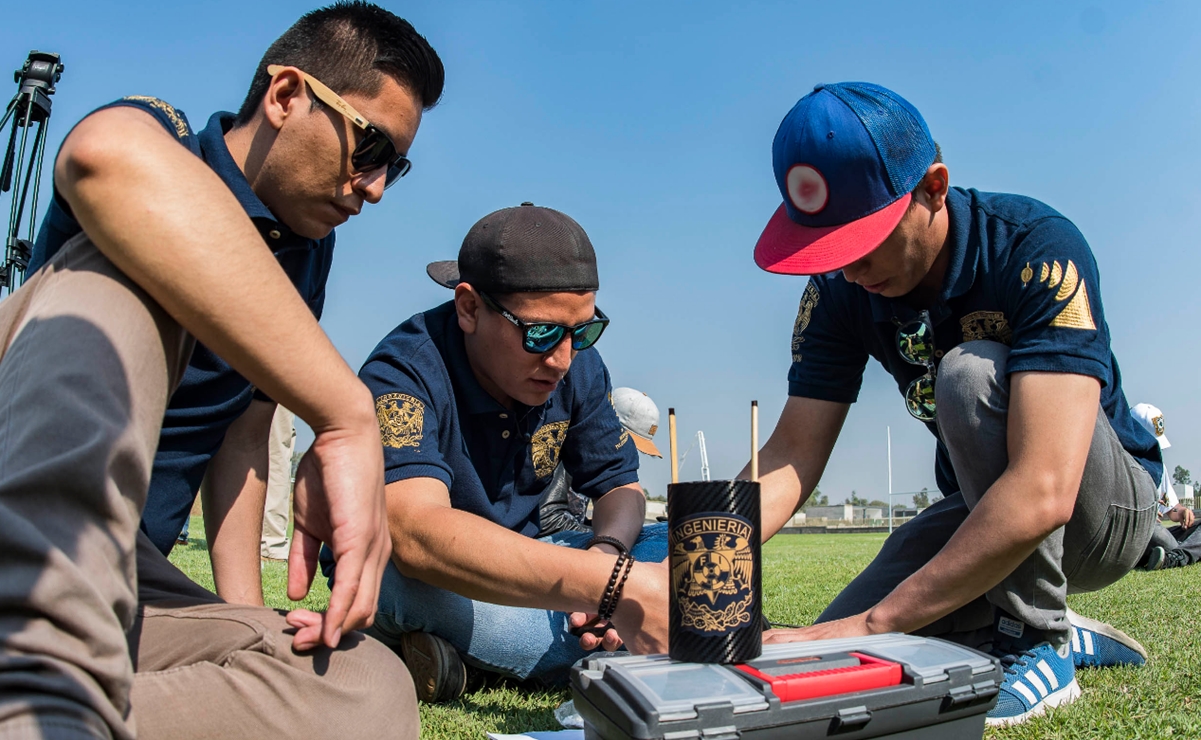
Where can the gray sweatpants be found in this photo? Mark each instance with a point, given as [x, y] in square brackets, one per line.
[1107, 534]
[100, 636]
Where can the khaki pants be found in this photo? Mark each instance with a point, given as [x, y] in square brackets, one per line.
[280, 445]
[99, 635]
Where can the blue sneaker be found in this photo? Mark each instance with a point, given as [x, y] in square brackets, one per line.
[1098, 645]
[1035, 681]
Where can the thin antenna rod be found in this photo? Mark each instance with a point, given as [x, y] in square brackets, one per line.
[754, 440]
[671, 438]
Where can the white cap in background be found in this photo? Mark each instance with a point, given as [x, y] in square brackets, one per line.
[640, 416]
[1152, 420]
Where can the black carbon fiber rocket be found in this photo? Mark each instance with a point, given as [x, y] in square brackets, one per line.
[714, 548]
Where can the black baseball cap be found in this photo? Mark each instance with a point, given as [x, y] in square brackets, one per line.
[523, 249]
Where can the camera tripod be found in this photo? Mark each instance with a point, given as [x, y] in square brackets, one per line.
[29, 109]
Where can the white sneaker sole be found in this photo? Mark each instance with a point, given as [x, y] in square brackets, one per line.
[1066, 695]
[1107, 630]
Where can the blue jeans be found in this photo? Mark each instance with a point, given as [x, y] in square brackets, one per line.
[516, 641]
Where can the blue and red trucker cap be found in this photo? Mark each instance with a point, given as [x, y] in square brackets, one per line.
[846, 158]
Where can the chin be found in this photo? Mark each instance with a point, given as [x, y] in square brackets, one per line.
[533, 398]
[309, 228]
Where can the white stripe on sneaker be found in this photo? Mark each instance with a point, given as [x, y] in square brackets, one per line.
[1088, 642]
[1037, 683]
[1075, 639]
[1050, 674]
[1030, 697]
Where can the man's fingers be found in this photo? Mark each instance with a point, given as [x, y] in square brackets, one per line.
[308, 628]
[579, 619]
[366, 601]
[611, 640]
[302, 618]
[342, 596]
[302, 563]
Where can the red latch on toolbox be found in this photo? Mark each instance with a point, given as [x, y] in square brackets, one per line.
[848, 672]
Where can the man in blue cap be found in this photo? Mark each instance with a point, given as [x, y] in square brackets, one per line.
[986, 309]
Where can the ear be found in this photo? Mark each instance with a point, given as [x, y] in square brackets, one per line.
[467, 307]
[933, 189]
[283, 96]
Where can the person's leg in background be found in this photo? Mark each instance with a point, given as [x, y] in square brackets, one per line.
[278, 508]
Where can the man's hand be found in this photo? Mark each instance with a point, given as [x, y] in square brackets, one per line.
[640, 621]
[593, 632]
[1182, 515]
[856, 626]
[339, 499]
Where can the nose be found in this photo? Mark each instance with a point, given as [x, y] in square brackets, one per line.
[370, 185]
[559, 358]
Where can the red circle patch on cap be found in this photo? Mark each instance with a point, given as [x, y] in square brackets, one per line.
[807, 189]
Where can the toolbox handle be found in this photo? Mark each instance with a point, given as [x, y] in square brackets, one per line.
[851, 719]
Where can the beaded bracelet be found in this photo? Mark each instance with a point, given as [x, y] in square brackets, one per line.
[617, 581]
[604, 539]
[612, 606]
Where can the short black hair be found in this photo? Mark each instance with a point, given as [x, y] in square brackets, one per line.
[349, 46]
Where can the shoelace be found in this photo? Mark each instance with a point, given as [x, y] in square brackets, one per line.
[1011, 661]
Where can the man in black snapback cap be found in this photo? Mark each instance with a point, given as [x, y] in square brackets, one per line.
[479, 401]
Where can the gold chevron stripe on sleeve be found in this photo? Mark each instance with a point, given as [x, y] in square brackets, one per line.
[1056, 274]
[1077, 314]
[1042, 275]
[1068, 286]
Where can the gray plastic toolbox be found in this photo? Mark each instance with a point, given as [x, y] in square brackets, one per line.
[941, 691]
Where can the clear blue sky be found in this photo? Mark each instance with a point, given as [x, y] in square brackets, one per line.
[651, 124]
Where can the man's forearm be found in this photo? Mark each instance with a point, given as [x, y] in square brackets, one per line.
[620, 513]
[471, 556]
[1000, 532]
[794, 458]
[235, 492]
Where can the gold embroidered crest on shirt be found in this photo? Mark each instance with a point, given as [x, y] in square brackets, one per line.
[546, 445]
[1077, 314]
[991, 325]
[804, 315]
[400, 419]
[181, 128]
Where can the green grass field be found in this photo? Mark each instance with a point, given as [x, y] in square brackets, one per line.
[802, 573]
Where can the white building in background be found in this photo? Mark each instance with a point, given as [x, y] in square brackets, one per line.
[837, 513]
[845, 513]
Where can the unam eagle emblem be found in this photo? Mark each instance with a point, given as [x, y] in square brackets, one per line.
[713, 572]
[400, 419]
[545, 446]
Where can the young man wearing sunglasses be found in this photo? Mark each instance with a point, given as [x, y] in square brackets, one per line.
[479, 400]
[156, 235]
[986, 309]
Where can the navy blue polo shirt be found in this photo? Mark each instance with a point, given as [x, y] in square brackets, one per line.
[436, 421]
[1019, 273]
[212, 395]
